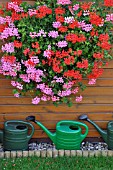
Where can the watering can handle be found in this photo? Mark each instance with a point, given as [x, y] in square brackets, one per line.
[80, 124]
[26, 123]
[84, 125]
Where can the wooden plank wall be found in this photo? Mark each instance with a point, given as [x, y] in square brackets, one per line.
[97, 104]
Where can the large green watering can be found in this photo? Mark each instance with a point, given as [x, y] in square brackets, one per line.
[15, 135]
[68, 134]
[106, 135]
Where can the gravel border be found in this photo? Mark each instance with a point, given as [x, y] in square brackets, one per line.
[55, 153]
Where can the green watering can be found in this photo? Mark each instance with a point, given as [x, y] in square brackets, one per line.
[106, 135]
[15, 135]
[68, 134]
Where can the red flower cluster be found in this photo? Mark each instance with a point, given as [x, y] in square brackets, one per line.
[73, 74]
[83, 64]
[59, 11]
[103, 38]
[62, 29]
[10, 59]
[98, 55]
[17, 44]
[75, 38]
[69, 60]
[86, 6]
[108, 3]
[43, 11]
[95, 19]
[96, 71]
[73, 25]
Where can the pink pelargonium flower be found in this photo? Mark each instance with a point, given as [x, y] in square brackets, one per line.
[62, 44]
[17, 95]
[64, 2]
[55, 98]
[79, 98]
[56, 24]
[75, 7]
[13, 83]
[92, 81]
[74, 91]
[36, 100]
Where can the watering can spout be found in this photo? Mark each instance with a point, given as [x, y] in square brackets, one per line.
[102, 132]
[52, 136]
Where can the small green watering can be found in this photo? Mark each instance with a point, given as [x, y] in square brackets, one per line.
[68, 134]
[106, 135]
[15, 135]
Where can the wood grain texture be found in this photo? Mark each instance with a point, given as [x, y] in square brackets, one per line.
[97, 104]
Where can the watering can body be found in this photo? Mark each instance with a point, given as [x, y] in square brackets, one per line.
[68, 134]
[106, 135]
[15, 135]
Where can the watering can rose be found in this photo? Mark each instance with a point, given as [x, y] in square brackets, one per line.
[51, 47]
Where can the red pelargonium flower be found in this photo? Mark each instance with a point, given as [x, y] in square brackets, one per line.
[98, 55]
[35, 45]
[17, 44]
[105, 45]
[10, 59]
[108, 3]
[26, 51]
[23, 15]
[43, 11]
[72, 38]
[69, 60]
[78, 52]
[73, 74]
[86, 5]
[96, 71]
[63, 29]
[60, 18]
[16, 16]
[94, 32]
[1, 12]
[74, 24]
[103, 37]
[95, 19]
[59, 11]
[83, 64]
[3, 26]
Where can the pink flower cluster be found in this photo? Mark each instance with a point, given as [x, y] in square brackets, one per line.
[69, 19]
[92, 81]
[75, 7]
[85, 27]
[62, 44]
[79, 98]
[9, 48]
[47, 53]
[15, 7]
[4, 20]
[63, 2]
[9, 67]
[8, 32]
[17, 85]
[39, 34]
[56, 24]
[109, 17]
[53, 34]
[32, 12]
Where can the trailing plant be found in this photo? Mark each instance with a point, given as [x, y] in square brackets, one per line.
[51, 47]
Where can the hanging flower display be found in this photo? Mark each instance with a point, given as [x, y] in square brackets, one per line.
[52, 47]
